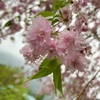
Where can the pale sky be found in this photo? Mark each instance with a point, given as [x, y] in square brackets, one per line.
[10, 51]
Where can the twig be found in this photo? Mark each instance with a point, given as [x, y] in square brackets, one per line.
[82, 92]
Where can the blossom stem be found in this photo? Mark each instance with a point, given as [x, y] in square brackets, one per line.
[84, 89]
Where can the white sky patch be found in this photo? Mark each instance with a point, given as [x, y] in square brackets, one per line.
[13, 47]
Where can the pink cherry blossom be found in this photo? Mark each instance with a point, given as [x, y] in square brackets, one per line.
[27, 52]
[39, 36]
[84, 3]
[66, 13]
[40, 29]
[74, 61]
[81, 24]
[69, 40]
[69, 47]
[52, 49]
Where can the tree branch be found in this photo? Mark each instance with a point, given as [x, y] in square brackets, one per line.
[84, 89]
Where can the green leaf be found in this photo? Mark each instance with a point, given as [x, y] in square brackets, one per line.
[46, 68]
[9, 23]
[59, 4]
[57, 80]
[45, 63]
[64, 4]
[40, 97]
[19, 17]
[46, 13]
[55, 21]
[50, 64]
[41, 73]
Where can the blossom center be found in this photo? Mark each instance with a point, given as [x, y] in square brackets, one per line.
[41, 33]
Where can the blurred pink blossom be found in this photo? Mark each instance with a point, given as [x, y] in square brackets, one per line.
[20, 9]
[15, 27]
[2, 5]
[23, 0]
[84, 2]
[81, 24]
[66, 12]
[95, 3]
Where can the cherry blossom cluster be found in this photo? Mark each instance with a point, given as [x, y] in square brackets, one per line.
[69, 46]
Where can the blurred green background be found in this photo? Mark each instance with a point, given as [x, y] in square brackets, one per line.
[12, 85]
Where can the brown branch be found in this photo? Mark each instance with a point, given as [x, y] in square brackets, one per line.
[84, 89]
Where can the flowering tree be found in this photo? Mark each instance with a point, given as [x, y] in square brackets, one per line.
[63, 37]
